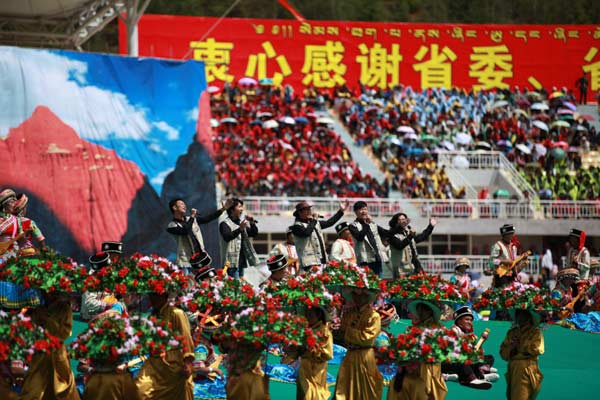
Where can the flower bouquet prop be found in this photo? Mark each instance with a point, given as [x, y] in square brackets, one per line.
[301, 292]
[260, 326]
[425, 287]
[431, 345]
[113, 339]
[518, 295]
[337, 275]
[224, 294]
[47, 271]
[20, 338]
[144, 274]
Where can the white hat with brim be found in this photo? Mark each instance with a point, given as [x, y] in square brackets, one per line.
[412, 307]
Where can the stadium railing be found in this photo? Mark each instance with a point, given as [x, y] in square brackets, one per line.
[464, 208]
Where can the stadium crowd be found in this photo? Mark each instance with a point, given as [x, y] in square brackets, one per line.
[296, 152]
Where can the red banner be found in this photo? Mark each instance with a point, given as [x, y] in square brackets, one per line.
[325, 54]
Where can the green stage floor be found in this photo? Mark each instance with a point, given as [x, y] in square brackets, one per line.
[571, 365]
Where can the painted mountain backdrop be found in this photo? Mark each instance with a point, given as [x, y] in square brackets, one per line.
[92, 138]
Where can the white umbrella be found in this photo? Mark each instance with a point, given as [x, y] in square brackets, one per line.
[405, 129]
[523, 148]
[581, 128]
[288, 120]
[541, 125]
[460, 162]
[213, 89]
[214, 123]
[540, 149]
[396, 141]
[263, 114]
[270, 124]
[247, 81]
[463, 138]
[448, 145]
[500, 103]
[539, 106]
[324, 120]
[412, 136]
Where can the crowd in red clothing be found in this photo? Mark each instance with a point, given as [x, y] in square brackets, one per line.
[268, 141]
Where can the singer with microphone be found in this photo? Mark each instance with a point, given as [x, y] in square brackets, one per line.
[404, 258]
[237, 231]
[186, 230]
[307, 230]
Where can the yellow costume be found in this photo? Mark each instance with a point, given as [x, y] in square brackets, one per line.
[413, 388]
[312, 375]
[49, 376]
[523, 377]
[431, 374]
[245, 378]
[162, 378]
[5, 392]
[110, 386]
[358, 377]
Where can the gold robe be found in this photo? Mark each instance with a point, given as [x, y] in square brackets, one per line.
[413, 388]
[358, 376]
[311, 383]
[162, 378]
[523, 377]
[49, 376]
[431, 374]
[5, 392]
[110, 386]
[245, 378]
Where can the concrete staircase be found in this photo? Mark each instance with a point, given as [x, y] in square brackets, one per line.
[366, 164]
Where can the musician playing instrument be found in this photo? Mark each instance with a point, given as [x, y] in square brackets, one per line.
[567, 289]
[478, 375]
[504, 253]
[578, 255]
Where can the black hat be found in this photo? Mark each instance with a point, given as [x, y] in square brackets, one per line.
[358, 205]
[100, 260]
[506, 229]
[112, 247]
[277, 263]
[205, 272]
[341, 227]
[199, 260]
[289, 230]
[301, 206]
[461, 312]
[575, 233]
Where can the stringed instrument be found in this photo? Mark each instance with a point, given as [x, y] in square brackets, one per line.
[502, 270]
[569, 308]
[4, 246]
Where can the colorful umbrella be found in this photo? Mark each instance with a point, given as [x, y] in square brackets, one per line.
[561, 124]
[502, 193]
[523, 148]
[570, 106]
[556, 95]
[302, 120]
[540, 149]
[266, 82]
[587, 117]
[405, 129]
[247, 81]
[564, 111]
[540, 125]
[558, 154]
[561, 145]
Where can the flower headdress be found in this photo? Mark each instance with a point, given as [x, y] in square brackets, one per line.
[425, 287]
[431, 345]
[300, 292]
[20, 338]
[47, 271]
[518, 295]
[114, 338]
[340, 274]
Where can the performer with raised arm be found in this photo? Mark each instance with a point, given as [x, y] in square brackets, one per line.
[186, 230]
[404, 258]
[237, 232]
[307, 230]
